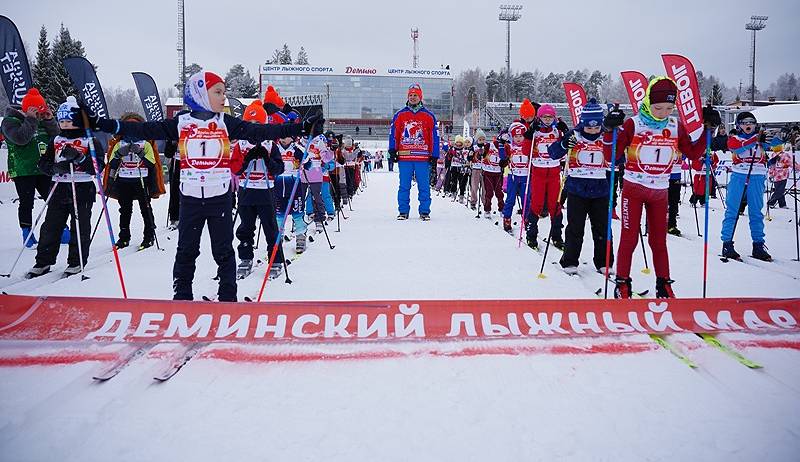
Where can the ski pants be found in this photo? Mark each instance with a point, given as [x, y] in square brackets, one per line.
[246, 230]
[327, 200]
[778, 194]
[174, 189]
[515, 186]
[350, 175]
[545, 191]
[27, 187]
[457, 181]
[635, 197]
[475, 184]
[492, 187]
[283, 191]
[126, 191]
[674, 198]
[60, 209]
[314, 204]
[440, 175]
[195, 213]
[578, 209]
[755, 202]
[421, 169]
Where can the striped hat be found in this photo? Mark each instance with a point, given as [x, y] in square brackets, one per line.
[592, 114]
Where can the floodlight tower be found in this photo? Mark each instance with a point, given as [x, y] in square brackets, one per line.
[756, 24]
[509, 13]
[415, 37]
[181, 48]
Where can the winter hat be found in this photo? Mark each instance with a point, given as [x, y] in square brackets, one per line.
[255, 112]
[527, 111]
[347, 141]
[318, 145]
[745, 116]
[480, 134]
[271, 96]
[545, 110]
[65, 110]
[131, 117]
[458, 139]
[468, 141]
[33, 99]
[195, 93]
[662, 90]
[518, 129]
[592, 114]
[415, 89]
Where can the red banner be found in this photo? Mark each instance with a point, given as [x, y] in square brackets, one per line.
[576, 98]
[636, 85]
[690, 103]
[106, 319]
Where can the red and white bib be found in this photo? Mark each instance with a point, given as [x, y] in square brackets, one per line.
[518, 159]
[131, 166]
[542, 141]
[205, 156]
[79, 144]
[255, 175]
[586, 159]
[652, 154]
[491, 162]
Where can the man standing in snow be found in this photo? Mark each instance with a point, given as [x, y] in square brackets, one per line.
[414, 145]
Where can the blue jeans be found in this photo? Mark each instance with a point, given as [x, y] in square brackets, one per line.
[515, 186]
[421, 170]
[755, 202]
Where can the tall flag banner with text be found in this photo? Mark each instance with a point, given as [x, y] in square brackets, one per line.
[237, 108]
[636, 85]
[85, 81]
[576, 98]
[148, 94]
[16, 73]
[690, 104]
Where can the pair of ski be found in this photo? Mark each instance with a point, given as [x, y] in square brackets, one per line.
[177, 361]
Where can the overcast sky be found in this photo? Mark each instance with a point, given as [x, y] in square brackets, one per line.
[121, 37]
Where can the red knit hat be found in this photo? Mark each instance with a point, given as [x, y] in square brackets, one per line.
[415, 89]
[272, 97]
[255, 112]
[212, 79]
[663, 91]
[527, 111]
[33, 99]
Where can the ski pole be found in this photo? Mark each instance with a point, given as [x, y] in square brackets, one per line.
[646, 269]
[525, 198]
[77, 217]
[610, 203]
[706, 206]
[30, 235]
[744, 195]
[694, 205]
[259, 230]
[104, 201]
[797, 226]
[111, 182]
[313, 200]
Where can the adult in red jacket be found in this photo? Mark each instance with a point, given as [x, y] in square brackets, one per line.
[414, 144]
[649, 143]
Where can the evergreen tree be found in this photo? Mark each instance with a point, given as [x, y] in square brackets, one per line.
[715, 96]
[240, 84]
[302, 56]
[63, 47]
[43, 69]
[493, 86]
[285, 55]
[188, 71]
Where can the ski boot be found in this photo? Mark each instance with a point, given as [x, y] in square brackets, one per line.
[318, 227]
[29, 243]
[571, 270]
[425, 216]
[532, 243]
[622, 288]
[487, 214]
[37, 271]
[674, 231]
[244, 269]
[122, 243]
[729, 252]
[507, 225]
[557, 242]
[760, 252]
[276, 270]
[402, 216]
[71, 270]
[473, 206]
[461, 199]
[173, 225]
[300, 243]
[602, 270]
[664, 288]
[147, 242]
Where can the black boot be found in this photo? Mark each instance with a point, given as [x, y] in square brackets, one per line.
[729, 252]
[760, 252]
[622, 288]
[664, 288]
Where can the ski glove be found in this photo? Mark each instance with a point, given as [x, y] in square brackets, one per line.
[393, 155]
[61, 168]
[71, 154]
[562, 126]
[711, 117]
[313, 124]
[569, 143]
[614, 119]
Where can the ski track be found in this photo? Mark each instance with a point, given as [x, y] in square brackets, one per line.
[509, 400]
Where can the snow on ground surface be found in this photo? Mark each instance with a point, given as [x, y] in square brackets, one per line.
[604, 399]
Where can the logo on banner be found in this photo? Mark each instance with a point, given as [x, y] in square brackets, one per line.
[12, 68]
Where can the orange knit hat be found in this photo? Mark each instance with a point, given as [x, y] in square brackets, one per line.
[527, 111]
[255, 112]
[272, 96]
[33, 99]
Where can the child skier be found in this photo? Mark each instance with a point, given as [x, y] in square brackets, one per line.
[478, 151]
[457, 173]
[651, 142]
[134, 173]
[749, 171]
[68, 160]
[493, 164]
[518, 151]
[291, 156]
[204, 133]
[586, 187]
[699, 178]
[545, 179]
[255, 166]
[319, 159]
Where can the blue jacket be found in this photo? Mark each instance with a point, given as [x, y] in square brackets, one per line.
[589, 188]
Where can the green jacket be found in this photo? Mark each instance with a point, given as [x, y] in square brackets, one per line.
[27, 140]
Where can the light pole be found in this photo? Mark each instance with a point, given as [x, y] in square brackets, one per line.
[509, 13]
[756, 24]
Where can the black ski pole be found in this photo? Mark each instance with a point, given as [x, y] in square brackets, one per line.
[694, 204]
[111, 182]
[797, 225]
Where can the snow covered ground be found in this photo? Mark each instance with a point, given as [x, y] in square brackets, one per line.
[615, 398]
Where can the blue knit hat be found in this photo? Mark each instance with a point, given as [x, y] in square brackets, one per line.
[592, 114]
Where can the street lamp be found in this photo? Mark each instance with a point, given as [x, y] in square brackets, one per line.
[756, 24]
[509, 13]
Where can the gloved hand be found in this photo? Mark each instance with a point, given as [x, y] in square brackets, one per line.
[762, 138]
[70, 154]
[252, 154]
[313, 124]
[393, 155]
[123, 151]
[95, 122]
[432, 161]
[711, 117]
[569, 142]
[562, 126]
[61, 168]
[614, 119]
[307, 165]
[138, 149]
